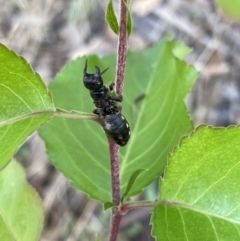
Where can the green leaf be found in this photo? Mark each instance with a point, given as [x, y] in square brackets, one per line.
[131, 181]
[230, 8]
[129, 20]
[25, 102]
[129, 23]
[111, 18]
[162, 118]
[200, 189]
[97, 238]
[181, 50]
[22, 214]
[79, 148]
[108, 205]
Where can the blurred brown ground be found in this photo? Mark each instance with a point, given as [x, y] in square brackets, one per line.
[50, 33]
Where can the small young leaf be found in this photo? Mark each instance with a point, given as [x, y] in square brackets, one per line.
[131, 181]
[108, 205]
[25, 102]
[22, 214]
[200, 188]
[129, 21]
[111, 18]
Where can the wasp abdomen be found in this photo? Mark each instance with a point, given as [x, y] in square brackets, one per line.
[116, 127]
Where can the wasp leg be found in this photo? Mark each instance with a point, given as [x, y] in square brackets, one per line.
[111, 86]
[117, 98]
[117, 108]
[97, 111]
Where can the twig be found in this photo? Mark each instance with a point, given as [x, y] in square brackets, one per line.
[122, 47]
[113, 147]
[115, 226]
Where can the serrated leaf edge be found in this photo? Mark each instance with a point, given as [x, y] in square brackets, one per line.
[32, 71]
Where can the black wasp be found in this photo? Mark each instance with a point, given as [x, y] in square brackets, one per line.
[112, 121]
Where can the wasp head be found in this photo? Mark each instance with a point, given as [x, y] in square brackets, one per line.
[93, 81]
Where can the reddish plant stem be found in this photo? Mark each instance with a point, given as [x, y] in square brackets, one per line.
[114, 157]
[121, 58]
[116, 219]
[122, 210]
[122, 47]
[113, 147]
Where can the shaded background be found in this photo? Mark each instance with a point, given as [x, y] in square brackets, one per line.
[51, 33]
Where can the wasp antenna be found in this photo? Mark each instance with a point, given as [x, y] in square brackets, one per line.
[85, 68]
[104, 71]
[97, 71]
